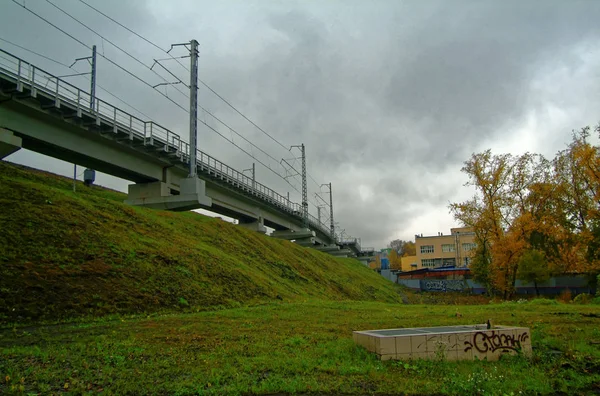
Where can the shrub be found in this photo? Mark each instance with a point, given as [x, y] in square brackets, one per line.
[596, 300]
[183, 302]
[565, 296]
[583, 298]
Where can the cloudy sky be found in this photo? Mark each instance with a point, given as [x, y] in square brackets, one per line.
[389, 97]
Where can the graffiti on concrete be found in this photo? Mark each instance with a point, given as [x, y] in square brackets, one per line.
[484, 342]
[443, 285]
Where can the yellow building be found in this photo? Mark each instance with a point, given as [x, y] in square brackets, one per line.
[410, 263]
[442, 250]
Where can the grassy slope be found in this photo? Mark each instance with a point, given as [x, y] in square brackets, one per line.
[298, 347]
[65, 254]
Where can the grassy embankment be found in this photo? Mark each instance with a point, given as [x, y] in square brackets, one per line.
[65, 254]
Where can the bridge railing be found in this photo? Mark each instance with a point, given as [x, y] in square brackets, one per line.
[350, 241]
[315, 223]
[149, 132]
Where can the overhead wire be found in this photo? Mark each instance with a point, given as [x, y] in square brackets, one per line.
[102, 55]
[178, 90]
[33, 52]
[199, 79]
[72, 68]
[138, 78]
[113, 44]
[149, 85]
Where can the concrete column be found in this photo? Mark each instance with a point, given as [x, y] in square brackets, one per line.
[304, 237]
[293, 235]
[9, 143]
[258, 225]
[365, 260]
[157, 195]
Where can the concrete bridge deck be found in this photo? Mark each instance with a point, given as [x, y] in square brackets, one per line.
[48, 115]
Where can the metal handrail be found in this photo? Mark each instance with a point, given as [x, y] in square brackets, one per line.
[64, 92]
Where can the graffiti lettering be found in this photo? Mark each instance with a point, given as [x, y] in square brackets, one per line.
[443, 285]
[484, 342]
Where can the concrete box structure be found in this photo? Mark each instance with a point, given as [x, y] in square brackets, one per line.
[449, 343]
[442, 250]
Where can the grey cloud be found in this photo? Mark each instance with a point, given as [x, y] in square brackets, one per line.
[392, 96]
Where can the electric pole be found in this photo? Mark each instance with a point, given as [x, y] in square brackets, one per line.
[331, 226]
[192, 46]
[92, 61]
[93, 79]
[193, 106]
[304, 187]
[253, 170]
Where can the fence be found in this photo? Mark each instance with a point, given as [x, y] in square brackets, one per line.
[554, 286]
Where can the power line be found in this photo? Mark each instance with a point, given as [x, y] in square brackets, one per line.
[199, 79]
[111, 43]
[131, 31]
[247, 153]
[237, 111]
[72, 68]
[102, 55]
[150, 68]
[139, 111]
[147, 84]
[33, 52]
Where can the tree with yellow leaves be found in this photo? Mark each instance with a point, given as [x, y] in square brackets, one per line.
[526, 203]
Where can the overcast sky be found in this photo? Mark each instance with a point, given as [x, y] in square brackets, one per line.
[389, 97]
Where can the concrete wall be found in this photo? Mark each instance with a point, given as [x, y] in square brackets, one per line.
[554, 286]
[412, 283]
[389, 275]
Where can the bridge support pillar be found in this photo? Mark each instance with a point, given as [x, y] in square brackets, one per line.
[258, 225]
[365, 260]
[341, 253]
[304, 237]
[332, 249]
[293, 235]
[9, 143]
[157, 195]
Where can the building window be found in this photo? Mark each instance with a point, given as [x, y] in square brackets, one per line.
[427, 263]
[466, 261]
[467, 247]
[450, 247]
[449, 262]
[426, 249]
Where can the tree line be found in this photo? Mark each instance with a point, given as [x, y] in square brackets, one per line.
[532, 216]
[399, 248]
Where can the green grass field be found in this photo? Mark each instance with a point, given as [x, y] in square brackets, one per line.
[302, 347]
